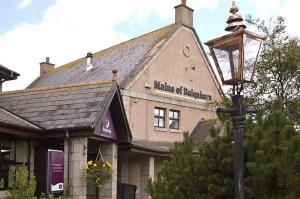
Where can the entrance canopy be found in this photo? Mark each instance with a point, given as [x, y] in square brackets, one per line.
[84, 109]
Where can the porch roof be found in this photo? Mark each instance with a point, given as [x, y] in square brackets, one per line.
[60, 107]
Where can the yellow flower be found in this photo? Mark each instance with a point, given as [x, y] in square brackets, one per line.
[90, 162]
[86, 167]
[95, 165]
[108, 164]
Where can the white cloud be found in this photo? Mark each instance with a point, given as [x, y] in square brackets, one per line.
[69, 29]
[288, 9]
[24, 4]
[292, 14]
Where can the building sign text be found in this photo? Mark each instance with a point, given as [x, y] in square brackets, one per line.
[181, 90]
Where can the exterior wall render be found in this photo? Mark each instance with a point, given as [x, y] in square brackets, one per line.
[134, 173]
[158, 165]
[174, 67]
[147, 172]
[189, 70]
[143, 129]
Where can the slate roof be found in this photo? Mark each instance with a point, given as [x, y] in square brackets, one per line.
[128, 58]
[201, 131]
[59, 107]
[11, 119]
[161, 147]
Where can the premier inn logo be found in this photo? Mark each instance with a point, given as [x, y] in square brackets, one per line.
[106, 127]
[180, 90]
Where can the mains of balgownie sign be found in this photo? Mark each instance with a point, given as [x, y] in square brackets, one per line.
[180, 90]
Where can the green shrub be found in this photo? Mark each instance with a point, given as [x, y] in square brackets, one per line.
[21, 187]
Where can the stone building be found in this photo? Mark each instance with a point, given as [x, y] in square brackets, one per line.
[153, 88]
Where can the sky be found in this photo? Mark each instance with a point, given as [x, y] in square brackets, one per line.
[65, 30]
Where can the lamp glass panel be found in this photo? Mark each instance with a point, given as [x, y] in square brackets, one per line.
[251, 49]
[228, 55]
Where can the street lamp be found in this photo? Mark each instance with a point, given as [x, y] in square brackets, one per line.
[235, 56]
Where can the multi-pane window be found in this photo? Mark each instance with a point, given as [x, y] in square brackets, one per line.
[11, 153]
[159, 117]
[173, 119]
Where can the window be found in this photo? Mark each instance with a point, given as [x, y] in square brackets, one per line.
[173, 119]
[11, 153]
[159, 117]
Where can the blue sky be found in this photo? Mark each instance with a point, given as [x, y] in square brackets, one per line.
[66, 30]
[13, 12]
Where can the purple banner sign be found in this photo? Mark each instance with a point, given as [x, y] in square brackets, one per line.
[108, 128]
[55, 171]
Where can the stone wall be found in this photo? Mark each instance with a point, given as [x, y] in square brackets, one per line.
[147, 172]
[123, 169]
[110, 153]
[76, 160]
[31, 159]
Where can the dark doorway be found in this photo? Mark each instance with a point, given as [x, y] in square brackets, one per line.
[126, 191]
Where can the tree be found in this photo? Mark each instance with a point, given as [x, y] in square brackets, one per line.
[278, 74]
[206, 174]
[272, 143]
[272, 159]
[273, 154]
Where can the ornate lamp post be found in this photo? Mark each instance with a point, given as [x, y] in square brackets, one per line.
[235, 55]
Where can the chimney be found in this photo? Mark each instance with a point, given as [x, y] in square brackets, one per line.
[46, 67]
[184, 14]
[114, 75]
[89, 64]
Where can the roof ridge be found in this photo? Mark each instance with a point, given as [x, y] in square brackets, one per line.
[58, 87]
[113, 47]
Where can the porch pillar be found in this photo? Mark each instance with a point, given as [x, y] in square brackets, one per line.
[110, 153]
[31, 159]
[75, 158]
[147, 172]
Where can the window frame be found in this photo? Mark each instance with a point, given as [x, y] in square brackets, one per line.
[174, 118]
[13, 162]
[160, 117]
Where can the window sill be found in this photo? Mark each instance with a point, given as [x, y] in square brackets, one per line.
[175, 131]
[160, 129]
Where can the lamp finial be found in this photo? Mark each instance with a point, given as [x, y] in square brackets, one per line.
[234, 9]
[235, 21]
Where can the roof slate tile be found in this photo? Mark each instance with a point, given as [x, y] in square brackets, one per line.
[127, 57]
[58, 107]
[10, 118]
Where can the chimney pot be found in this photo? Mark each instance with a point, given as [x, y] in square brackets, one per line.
[47, 60]
[89, 55]
[115, 75]
[89, 65]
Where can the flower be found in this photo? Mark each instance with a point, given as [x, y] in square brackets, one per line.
[98, 172]
[108, 164]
